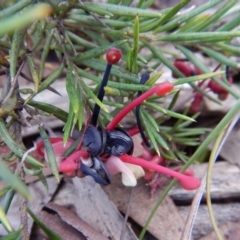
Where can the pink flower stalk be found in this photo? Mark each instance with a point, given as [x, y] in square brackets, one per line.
[67, 165]
[53, 140]
[161, 90]
[71, 164]
[187, 182]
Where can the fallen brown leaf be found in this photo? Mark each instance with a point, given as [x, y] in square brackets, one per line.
[166, 224]
[67, 224]
[93, 205]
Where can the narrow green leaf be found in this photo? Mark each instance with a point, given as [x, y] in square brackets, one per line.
[71, 149]
[193, 23]
[148, 25]
[5, 44]
[228, 48]
[200, 37]
[156, 135]
[12, 180]
[89, 20]
[197, 77]
[150, 134]
[55, 111]
[153, 79]
[115, 92]
[9, 11]
[118, 86]
[39, 34]
[174, 100]
[13, 235]
[97, 51]
[161, 141]
[120, 10]
[186, 17]
[6, 137]
[80, 41]
[50, 153]
[96, 37]
[7, 200]
[93, 96]
[150, 119]
[51, 78]
[126, 2]
[4, 190]
[169, 155]
[129, 60]
[52, 235]
[80, 115]
[134, 67]
[16, 45]
[114, 104]
[72, 89]
[182, 156]
[173, 11]
[219, 57]
[5, 222]
[100, 65]
[169, 113]
[26, 91]
[45, 53]
[187, 141]
[216, 15]
[43, 180]
[26, 17]
[33, 72]
[230, 24]
[187, 133]
[68, 126]
[95, 9]
[146, 4]
[32, 172]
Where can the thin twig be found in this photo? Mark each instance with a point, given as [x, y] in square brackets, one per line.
[13, 84]
[127, 214]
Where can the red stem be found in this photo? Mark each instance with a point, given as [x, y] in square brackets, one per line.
[161, 90]
[133, 131]
[69, 164]
[187, 182]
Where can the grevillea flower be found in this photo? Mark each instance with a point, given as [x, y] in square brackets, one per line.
[130, 166]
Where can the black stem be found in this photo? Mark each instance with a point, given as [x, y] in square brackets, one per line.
[100, 95]
[227, 73]
[143, 80]
[141, 131]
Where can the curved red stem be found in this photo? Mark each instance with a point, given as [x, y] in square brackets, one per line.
[161, 90]
[69, 164]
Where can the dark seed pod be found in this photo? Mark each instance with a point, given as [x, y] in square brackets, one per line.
[103, 134]
[92, 140]
[97, 170]
[118, 142]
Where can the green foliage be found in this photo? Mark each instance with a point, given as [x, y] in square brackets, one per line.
[78, 34]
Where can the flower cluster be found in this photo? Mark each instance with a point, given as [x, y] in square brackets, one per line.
[131, 167]
[101, 164]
